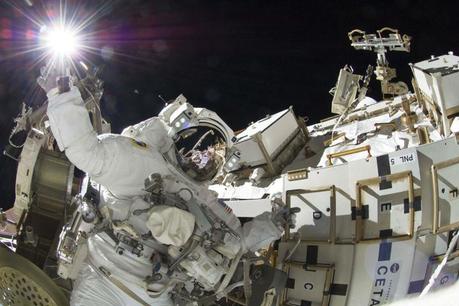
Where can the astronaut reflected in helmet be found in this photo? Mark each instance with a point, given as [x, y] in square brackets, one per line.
[201, 152]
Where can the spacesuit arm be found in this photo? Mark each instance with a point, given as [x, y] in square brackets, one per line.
[260, 232]
[119, 162]
[255, 234]
[68, 117]
[74, 133]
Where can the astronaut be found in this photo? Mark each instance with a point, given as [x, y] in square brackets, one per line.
[126, 166]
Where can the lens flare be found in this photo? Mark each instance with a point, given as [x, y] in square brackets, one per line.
[66, 32]
[60, 41]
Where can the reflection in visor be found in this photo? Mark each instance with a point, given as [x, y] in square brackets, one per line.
[199, 163]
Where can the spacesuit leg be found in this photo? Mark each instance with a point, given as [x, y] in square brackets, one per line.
[93, 289]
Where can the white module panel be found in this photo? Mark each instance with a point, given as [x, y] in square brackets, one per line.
[380, 193]
[325, 201]
[426, 247]
[372, 205]
[319, 274]
[447, 191]
[381, 272]
[386, 210]
[439, 162]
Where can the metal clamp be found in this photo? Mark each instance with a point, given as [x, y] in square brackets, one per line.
[348, 152]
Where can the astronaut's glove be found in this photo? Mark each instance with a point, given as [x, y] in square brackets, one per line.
[285, 217]
[56, 74]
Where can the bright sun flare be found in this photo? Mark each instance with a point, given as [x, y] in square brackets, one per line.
[61, 41]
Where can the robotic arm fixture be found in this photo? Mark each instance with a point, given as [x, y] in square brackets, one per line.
[386, 39]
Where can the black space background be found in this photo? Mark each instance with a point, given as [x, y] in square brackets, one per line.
[243, 59]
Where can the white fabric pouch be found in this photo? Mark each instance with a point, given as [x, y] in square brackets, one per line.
[171, 225]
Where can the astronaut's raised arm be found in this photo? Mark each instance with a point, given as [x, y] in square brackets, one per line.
[109, 159]
[70, 124]
[74, 133]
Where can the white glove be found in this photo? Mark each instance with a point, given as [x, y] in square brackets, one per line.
[55, 74]
[286, 217]
[260, 232]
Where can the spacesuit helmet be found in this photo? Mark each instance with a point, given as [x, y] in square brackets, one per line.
[202, 139]
[201, 163]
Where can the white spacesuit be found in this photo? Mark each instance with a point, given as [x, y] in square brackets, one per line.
[121, 163]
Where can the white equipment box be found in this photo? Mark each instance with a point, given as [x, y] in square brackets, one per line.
[437, 79]
[263, 141]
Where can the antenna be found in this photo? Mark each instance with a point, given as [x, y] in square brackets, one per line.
[162, 99]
